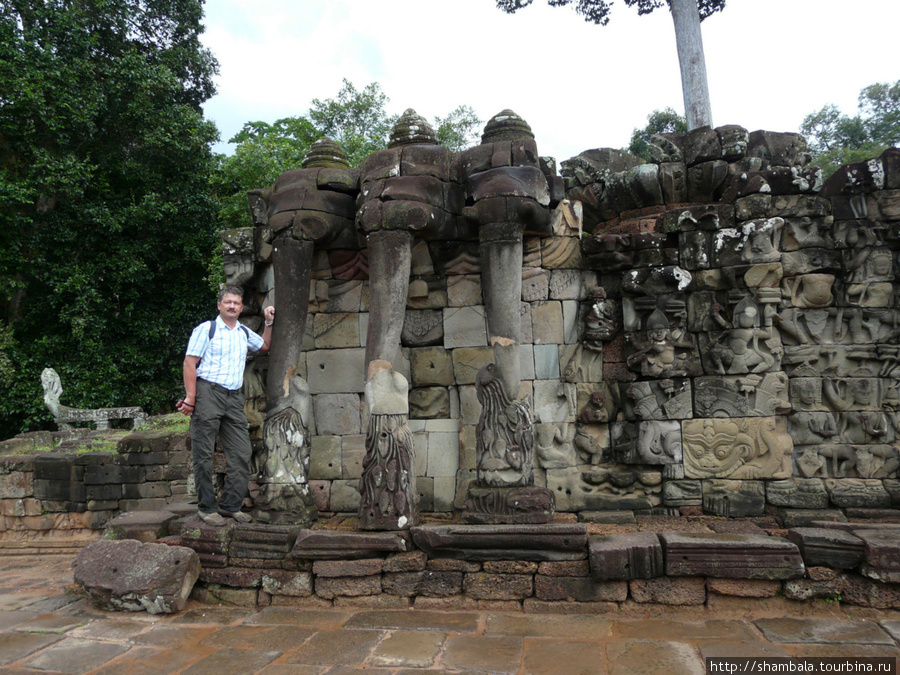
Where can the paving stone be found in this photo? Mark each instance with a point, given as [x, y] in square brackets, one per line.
[740, 556]
[795, 631]
[546, 656]
[76, 656]
[451, 622]
[15, 646]
[686, 631]
[483, 653]
[745, 648]
[331, 647]
[312, 618]
[258, 637]
[568, 627]
[648, 657]
[408, 649]
[236, 661]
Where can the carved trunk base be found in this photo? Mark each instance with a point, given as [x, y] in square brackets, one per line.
[509, 506]
[284, 505]
[389, 500]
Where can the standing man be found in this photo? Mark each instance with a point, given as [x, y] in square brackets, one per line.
[213, 375]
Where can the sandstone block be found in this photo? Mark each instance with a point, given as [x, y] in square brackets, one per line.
[731, 556]
[134, 576]
[625, 556]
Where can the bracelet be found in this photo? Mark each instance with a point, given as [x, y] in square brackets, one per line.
[268, 324]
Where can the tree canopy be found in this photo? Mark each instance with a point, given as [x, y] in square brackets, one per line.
[665, 121]
[108, 224]
[836, 138]
[357, 119]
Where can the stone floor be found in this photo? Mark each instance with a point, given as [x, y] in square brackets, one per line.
[45, 629]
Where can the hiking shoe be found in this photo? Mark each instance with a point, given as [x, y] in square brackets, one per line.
[213, 519]
[238, 516]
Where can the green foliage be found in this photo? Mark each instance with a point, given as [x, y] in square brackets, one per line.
[356, 119]
[837, 139]
[665, 121]
[459, 130]
[264, 151]
[598, 11]
[107, 222]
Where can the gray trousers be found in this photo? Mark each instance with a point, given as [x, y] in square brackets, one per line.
[220, 412]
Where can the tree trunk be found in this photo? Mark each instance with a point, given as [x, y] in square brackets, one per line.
[689, 42]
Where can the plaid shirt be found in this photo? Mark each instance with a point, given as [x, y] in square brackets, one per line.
[222, 359]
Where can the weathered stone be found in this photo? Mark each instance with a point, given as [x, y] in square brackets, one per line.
[882, 554]
[744, 588]
[797, 493]
[669, 591]
[734, 499]
[625, 556]
[484, 586]
[732, 556]
[133, 576]
[146, 526]
[510, 505]
[578, 589]
[347, 587]
[328, 544]
[828, 548]
[856, 492]
[503, 542]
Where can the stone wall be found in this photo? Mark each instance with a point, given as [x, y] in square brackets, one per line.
[59, 501]
[716, 330]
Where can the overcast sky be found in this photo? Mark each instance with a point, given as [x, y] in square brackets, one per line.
[579, 86]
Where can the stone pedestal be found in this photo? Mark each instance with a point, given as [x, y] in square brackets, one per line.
[512, 506]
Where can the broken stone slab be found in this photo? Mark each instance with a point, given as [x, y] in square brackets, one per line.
[328, 545]
[133, 576]
[625, 556]
[146, 526]
[731, 556]
[882, 554]
[827, 547]
[503, 542]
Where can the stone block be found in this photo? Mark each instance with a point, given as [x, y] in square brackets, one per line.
[554, 401]
[485, 586]
[625, 556]
[467, 361]
[464, 290]
[336, 545]
[429, 403]
[827, 547]
[464, 327]
[567, 284]
[134, 576]
[669, 591]
[809, 517]
[503, 542]
[535, 284]
[335, 371]
[335, 330]
[744, 588]
[345, 497]
[337, 414]
[546, 362]
[547, 322]
[146, 526]
[734, 498]
[347, 587]
[443, 454]
[325, 460]
[441, 583]
[882, 554]
[731, 556]
[21, 484]
[348, 568]
[797, 493]
[430, 366]
[422, 327]
[857, 492]
[287, 583]
[444, 493]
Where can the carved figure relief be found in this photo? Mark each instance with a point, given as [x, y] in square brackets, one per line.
[659, 354]
[504, 453]
[743, 448]
[602, 322]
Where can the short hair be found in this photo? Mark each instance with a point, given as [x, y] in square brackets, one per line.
[230, 290]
